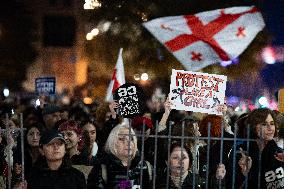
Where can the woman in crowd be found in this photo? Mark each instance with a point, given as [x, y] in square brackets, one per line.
[180, 170]
[54, 170]
[121, 166]
[180, 175]
[262, 163]
[72, 135]
[90, 150]
[31, 153]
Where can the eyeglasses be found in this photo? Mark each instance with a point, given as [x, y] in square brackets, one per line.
[125, 138]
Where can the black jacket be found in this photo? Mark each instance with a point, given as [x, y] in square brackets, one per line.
[111, 173]
[271, 170]
[63, 178]
[187, 183]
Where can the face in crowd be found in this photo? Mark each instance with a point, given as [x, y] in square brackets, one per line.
[124, 145]
[71, 138]
[33, 137]
[92, 131]
[262, 124]
[179, 161]
[54, 150]
[266, 130]
[51, 119]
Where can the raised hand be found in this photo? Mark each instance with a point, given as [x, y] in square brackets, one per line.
[221, 171]
[112, 106]
[245, 163]
[167, 106]
[279, 156]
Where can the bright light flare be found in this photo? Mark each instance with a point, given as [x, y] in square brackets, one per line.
[144, 76]
[89, 36]
[95, 32]
[6, 92]
[268, 55]
[263, 101]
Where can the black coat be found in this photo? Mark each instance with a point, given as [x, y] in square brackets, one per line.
[63, 178]
[187, 183]
[271, 170]
[111, 173]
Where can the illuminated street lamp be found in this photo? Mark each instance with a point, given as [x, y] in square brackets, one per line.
[89, 36]
[136, 77]
[263, 101]
[92, 4]
[6, 92]
[95, 31]
[144, 76]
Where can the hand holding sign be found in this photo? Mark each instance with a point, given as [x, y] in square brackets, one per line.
[245, 163]
[112, 106]
[167, 106]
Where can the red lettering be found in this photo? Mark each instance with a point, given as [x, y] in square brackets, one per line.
[179, 76]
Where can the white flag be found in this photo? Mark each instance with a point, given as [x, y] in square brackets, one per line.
[208, 37]
[118, 77]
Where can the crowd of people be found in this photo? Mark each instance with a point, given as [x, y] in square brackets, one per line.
[90, 146]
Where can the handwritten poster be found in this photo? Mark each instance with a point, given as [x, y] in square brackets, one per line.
[196, 91]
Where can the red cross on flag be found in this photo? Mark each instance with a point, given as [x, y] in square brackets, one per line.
[118, 77]
[208, 37]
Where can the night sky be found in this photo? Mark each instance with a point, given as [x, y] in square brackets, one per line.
[273, 75]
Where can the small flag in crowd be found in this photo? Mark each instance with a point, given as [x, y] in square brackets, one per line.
[208, 37]
[118, 77]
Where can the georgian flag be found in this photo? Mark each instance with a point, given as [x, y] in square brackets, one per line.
[208, 37]
[118, 77]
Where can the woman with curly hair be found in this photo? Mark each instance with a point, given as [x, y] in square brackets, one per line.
[259, 163]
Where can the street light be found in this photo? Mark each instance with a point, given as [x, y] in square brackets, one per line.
[144, 76]
[6, 92]
[95, 31]
[89, 36]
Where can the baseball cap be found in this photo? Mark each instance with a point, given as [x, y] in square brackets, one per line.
[49, 136]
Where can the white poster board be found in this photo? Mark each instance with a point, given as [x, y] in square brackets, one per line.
[196, 91]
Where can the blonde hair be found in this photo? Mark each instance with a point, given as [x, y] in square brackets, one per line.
[112, 140]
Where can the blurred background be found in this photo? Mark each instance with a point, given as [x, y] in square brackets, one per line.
[77, 41]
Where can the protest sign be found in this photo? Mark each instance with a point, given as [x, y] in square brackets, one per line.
[131, 100]
[45, 85]
[196, 91]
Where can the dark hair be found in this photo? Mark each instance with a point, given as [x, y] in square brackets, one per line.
[242, 125]
[177, 144]
[37, 125]
[258, 116]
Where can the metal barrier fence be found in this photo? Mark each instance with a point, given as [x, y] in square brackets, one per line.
[167, 138]
[182, 138]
